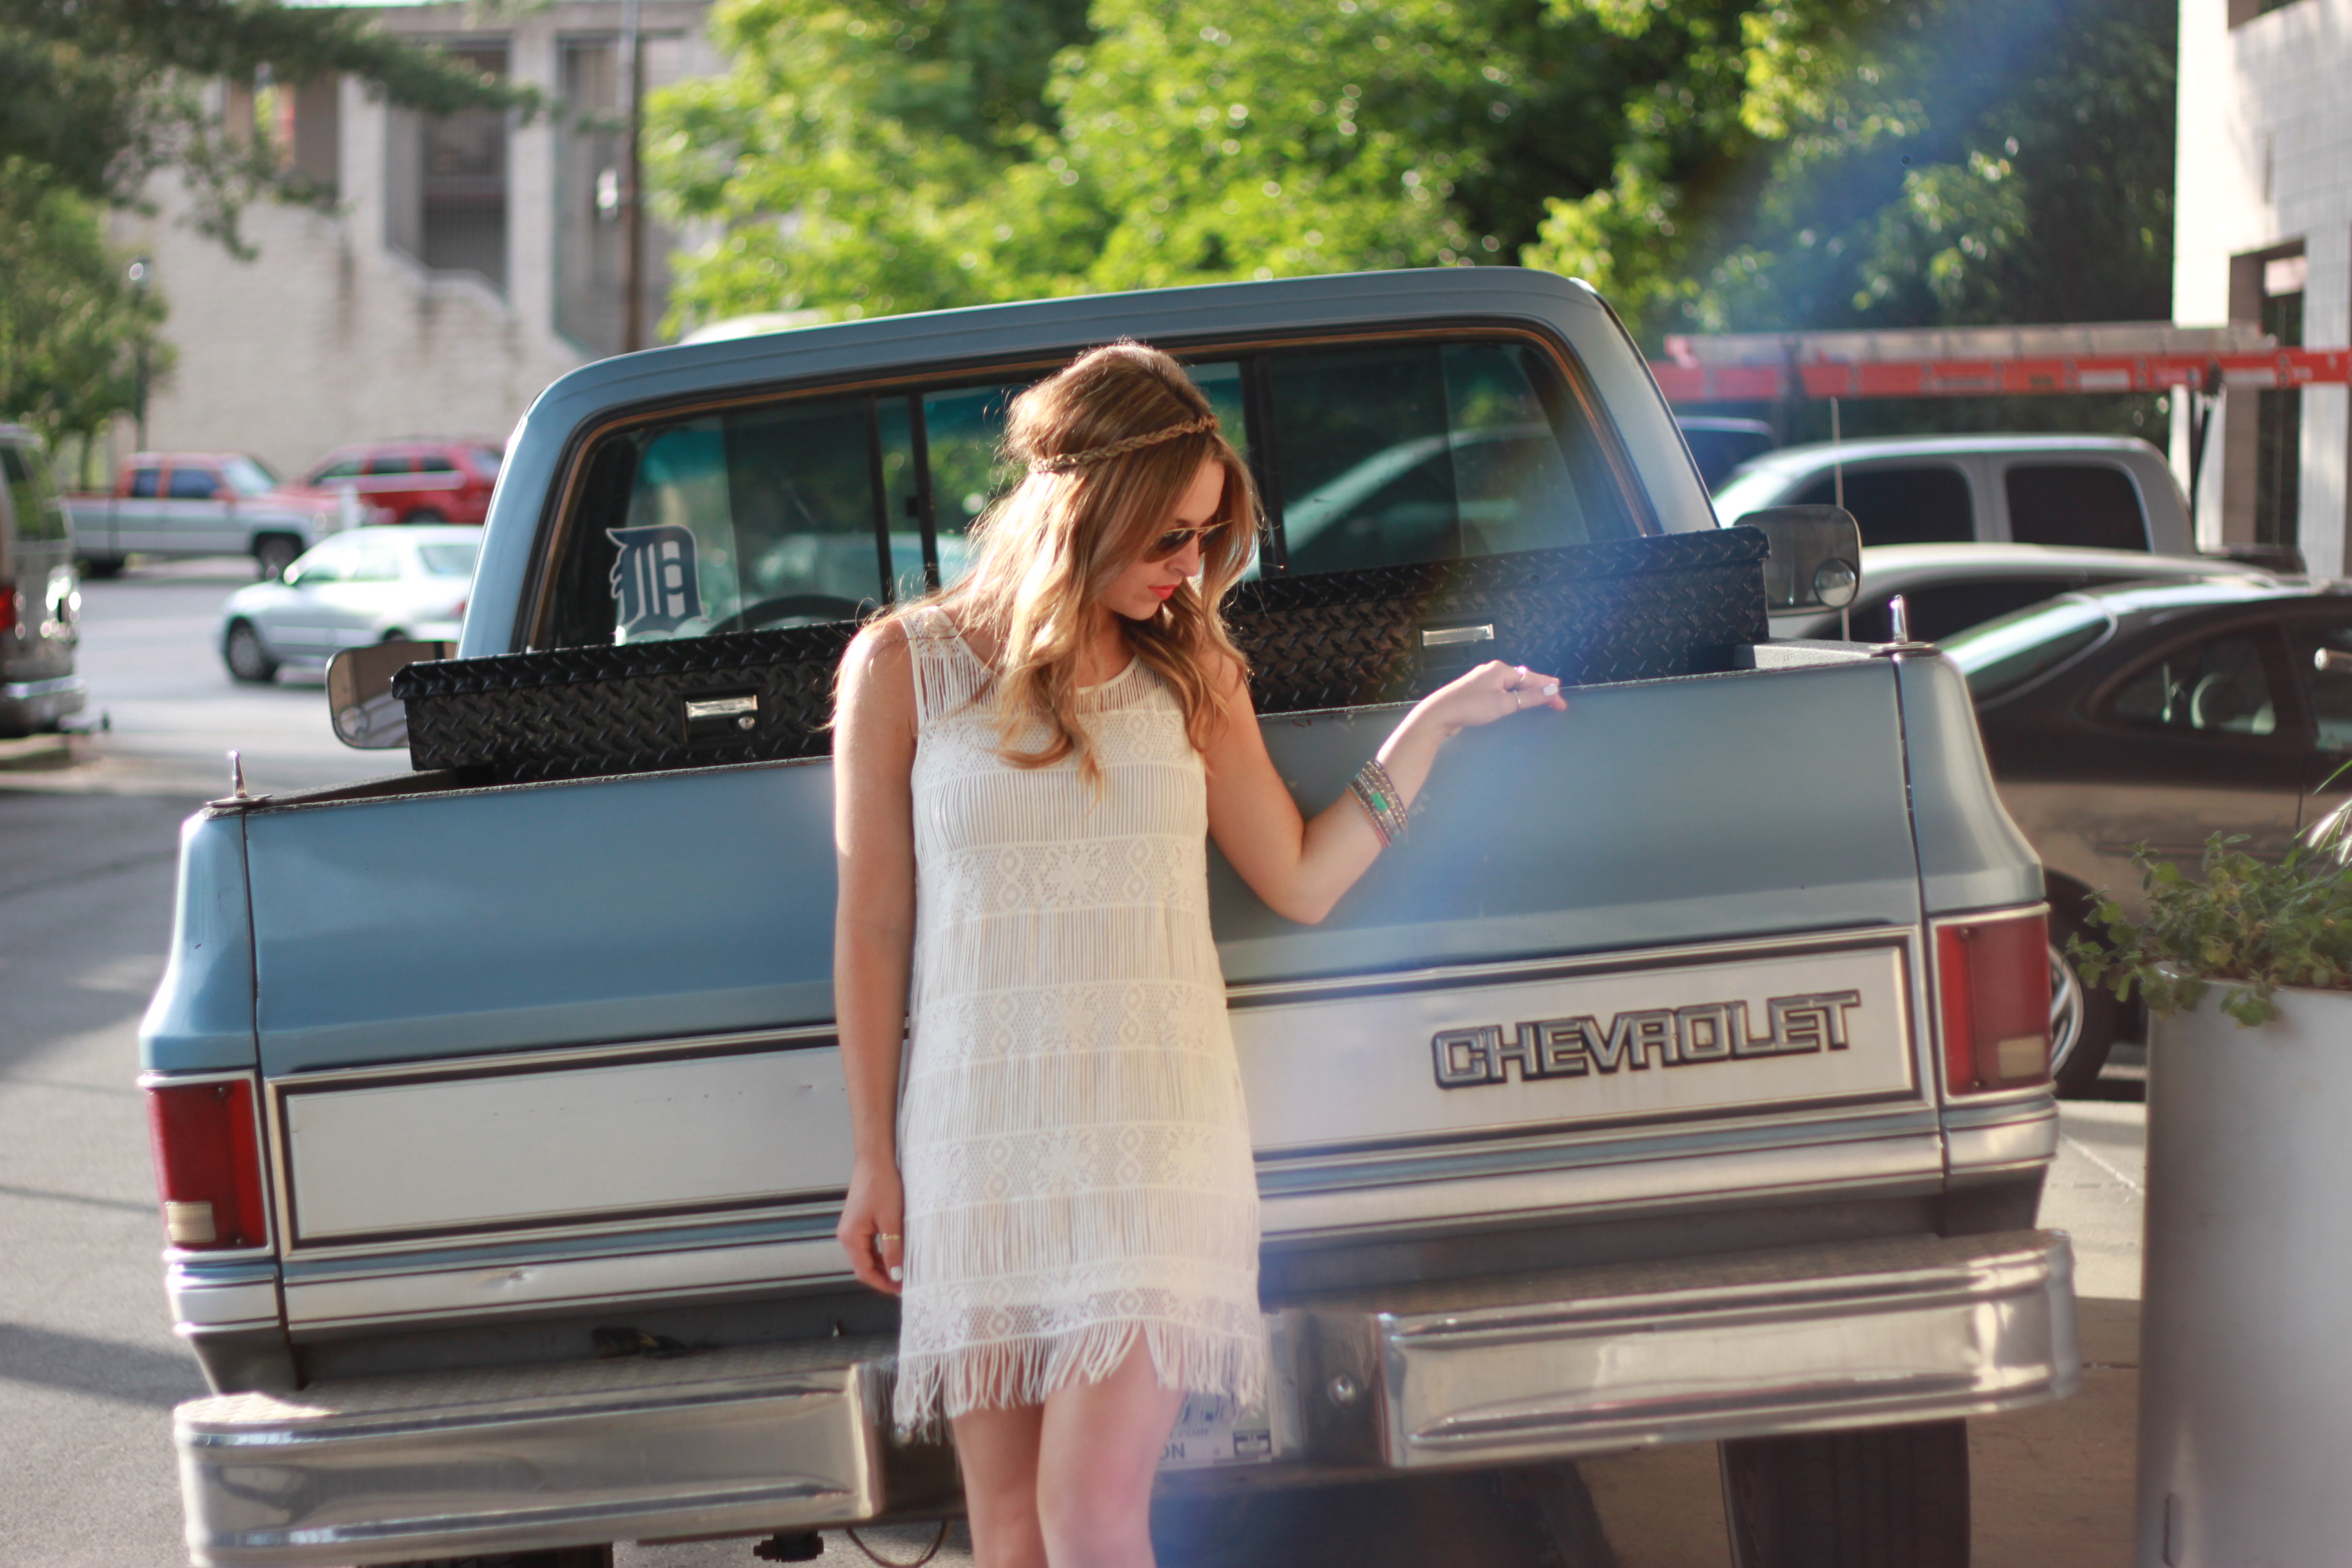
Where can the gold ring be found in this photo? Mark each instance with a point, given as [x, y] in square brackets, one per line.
[888, 1236]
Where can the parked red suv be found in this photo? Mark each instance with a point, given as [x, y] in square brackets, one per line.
[418, 480]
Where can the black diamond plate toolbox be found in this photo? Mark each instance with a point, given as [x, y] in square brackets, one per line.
[1630, 609]
[1624, 610]
[566, 712]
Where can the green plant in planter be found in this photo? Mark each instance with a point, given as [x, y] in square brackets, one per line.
[2253, 925]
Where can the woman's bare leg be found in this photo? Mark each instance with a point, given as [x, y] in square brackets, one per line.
[1100, 1449]
[997, 1450]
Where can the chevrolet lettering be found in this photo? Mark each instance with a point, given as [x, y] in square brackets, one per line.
[1669, 1036]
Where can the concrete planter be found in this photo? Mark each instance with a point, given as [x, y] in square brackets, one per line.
[2246, 1322]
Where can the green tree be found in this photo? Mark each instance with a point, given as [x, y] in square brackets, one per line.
[95, 96]
[71, 327]
[1864, 162]
[855, 145]
[868, 156]
[1709, 164]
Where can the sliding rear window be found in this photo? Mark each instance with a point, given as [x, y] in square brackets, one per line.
[826, 508]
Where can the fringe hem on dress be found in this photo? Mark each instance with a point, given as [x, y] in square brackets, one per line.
[998, 1374]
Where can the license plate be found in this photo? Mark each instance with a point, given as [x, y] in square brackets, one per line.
[1204, 1435]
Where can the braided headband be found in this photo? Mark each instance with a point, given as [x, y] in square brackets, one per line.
[1071, 462]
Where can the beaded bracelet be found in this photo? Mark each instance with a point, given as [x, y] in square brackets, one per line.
[1377, 793]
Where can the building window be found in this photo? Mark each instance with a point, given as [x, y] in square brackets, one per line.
[465, 182]
[299, 124]
[2278, 415]
[445, 190]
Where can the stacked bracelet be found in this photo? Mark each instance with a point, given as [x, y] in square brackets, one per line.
[1377, 793]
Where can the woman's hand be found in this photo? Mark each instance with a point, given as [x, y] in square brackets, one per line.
[873, 1228]
[1492, 690]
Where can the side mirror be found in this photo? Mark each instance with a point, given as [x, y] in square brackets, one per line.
[358, 691]
[1816, 560]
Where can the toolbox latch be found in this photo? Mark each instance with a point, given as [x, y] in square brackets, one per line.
[718, 716]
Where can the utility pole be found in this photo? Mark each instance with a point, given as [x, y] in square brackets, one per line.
[633, 205]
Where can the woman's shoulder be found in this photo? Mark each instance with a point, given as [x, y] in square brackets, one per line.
[875, 669]
[930, 624]
[881, 641]
[918, 654]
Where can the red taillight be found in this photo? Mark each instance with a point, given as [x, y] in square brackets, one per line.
[1992, 977]
[12, 607]
[207, 1163]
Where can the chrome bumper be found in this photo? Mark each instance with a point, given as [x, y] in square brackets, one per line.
[1449, 1373]
[1804, 1339]
[38, 701]
[386, 1469]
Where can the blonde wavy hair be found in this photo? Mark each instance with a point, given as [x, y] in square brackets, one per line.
[1110, 443]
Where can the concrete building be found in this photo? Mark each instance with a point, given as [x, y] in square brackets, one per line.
[2265, 236]
[469, 261]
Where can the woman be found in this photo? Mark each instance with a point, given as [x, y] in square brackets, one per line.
[1028, 764]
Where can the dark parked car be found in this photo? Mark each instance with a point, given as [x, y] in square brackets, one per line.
[2157, 714]
[1719, 445]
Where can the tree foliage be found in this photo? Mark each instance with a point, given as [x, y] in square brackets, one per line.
[1709, 164]
[72, 326]
[96, 97]
[867, 156]
[1862, 162]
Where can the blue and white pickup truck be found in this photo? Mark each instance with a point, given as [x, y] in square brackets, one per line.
[500, 1130]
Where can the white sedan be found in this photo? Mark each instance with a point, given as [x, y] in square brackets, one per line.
[369, 585]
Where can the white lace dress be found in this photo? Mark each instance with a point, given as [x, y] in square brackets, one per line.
[1072, 1136]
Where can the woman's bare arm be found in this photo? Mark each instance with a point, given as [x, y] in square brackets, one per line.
[1301, 866]
[874, 934]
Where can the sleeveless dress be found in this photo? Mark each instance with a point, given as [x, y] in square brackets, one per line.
[1072, 1136]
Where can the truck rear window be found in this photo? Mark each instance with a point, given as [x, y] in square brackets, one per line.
[2091, 504]
[826, 508]
[1928, 503]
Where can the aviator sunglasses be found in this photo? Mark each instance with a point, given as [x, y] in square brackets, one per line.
[1175, 538]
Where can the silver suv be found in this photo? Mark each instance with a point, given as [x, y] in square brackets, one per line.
[40, 595]
[2104, 492]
